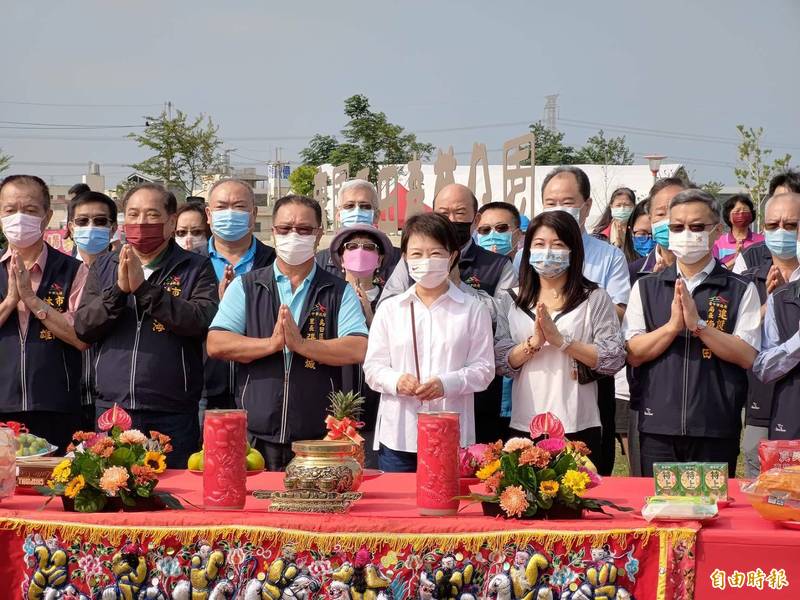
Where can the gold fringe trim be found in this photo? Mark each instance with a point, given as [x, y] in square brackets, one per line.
[348, 541]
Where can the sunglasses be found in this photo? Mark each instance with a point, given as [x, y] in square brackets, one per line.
[370, 246]
[487, 229]
[98, 221]
[694, 227]
[286, 229]
[194, 232]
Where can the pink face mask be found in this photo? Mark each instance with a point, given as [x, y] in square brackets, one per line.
[360, 262]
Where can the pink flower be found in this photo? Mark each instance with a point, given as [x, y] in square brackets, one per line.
[114, 416]
[553, 445]
[517, 443]
[132, 436]
[113, 480]
[546, 424]
[594, 478]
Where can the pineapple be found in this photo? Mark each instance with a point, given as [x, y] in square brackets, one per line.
[349, 405]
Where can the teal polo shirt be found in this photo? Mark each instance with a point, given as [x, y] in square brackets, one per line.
[219, 262]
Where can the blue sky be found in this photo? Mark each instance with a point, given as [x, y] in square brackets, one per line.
[270, 74]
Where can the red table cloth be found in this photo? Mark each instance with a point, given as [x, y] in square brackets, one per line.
[258, 554]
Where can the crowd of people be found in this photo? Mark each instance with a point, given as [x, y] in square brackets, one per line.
[671, 326]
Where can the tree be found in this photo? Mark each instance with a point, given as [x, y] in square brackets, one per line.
[712, 187]
[599, 150]
[5, 160]
[185, 150]
[302, 180]
[754, 170]
[369, 140]
[550, 147]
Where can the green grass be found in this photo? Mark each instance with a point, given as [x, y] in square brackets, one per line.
[621, 464]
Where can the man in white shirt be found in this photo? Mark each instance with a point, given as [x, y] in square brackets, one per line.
[693, 329]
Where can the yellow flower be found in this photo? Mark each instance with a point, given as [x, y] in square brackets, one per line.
[548, 489]
[156, 461]
[513, 501]
[61, 472]
[75, 486]
[485, 471]
[575, 481]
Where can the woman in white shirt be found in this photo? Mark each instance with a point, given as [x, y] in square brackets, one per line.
[452, 332]
[555, 330]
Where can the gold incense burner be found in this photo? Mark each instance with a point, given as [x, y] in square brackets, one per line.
[326, 466]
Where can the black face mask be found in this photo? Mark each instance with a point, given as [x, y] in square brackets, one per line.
[463, 232]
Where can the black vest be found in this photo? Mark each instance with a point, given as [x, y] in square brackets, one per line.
[785, 422]
[287, 405]
[140, 364]
[687, 390]
[43, 373]
[758, 409]
[757, 255]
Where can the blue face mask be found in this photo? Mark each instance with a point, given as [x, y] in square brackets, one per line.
[780, 242]
[354, 216]
[661, 233]
[643, 244]
[229, 224]
[549, 263]
[93, 240]
[500, 241]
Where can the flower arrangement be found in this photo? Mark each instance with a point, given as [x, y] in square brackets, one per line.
[117, 462]
[469, 459]
[527, 478]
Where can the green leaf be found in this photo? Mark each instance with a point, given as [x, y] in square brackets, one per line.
[122, 457]
[90, 500]
[127, 500]
[169, 501]
[565, 463]
[546, 475]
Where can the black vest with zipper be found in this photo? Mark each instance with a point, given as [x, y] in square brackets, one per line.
[38, 371]
[688, 390]
[284, 405]
[785, 422]
[140, 364]
[758, 409]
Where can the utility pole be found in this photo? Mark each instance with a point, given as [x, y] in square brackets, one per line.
[551, 112]
[278, 172]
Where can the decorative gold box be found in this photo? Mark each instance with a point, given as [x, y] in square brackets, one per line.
[35, 471]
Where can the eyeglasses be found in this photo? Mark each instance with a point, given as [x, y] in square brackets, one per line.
[787, 225]
[487, 229]
[300, 229]
[193, 232]
[643, 235]
[369, 246]
[694, 227]
[98, 221]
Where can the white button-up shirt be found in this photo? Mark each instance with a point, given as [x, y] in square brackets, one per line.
[454, 343]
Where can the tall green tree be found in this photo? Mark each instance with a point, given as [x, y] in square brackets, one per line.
[302, 180]
[368, 140]
[550, 146]
[5, 160]
[600, 150]
[712, 187]
[755, 170]
[184, 150]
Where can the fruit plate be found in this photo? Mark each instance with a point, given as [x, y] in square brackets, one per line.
[249, 473]
[371, 474]
[45, 452]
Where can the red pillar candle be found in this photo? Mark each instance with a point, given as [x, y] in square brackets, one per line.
[438, 440]
[224, 461]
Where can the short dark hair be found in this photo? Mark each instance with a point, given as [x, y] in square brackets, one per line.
[643, 208]
[433, 225]
[31, 180]
[584, 187]
[298, 199]
[666, 182]
[170, 202]
[731, 202]
[507, 206]
[199, 209]
[697, 195]
[578, 287]
[361, 233]
[79, 188]
[789, 179]
[90, 196]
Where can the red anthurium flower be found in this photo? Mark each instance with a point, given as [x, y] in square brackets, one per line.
[114, 417]
[546, 424]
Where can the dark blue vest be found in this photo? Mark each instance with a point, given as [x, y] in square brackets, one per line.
[785, 422]
[287, 405]
[758, 410]
[42, 372]
[687, 390]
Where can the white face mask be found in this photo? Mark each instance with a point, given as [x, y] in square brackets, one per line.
[429, 272]
[574, 211]
[191, 242]
[295, 249]
[689, 247]
[22, 230]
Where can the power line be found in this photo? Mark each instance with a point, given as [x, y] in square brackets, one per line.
[21, 103]
[48, 126]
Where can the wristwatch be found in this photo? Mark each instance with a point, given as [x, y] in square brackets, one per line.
[41, 312]
[699, 326]
[567, 340]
